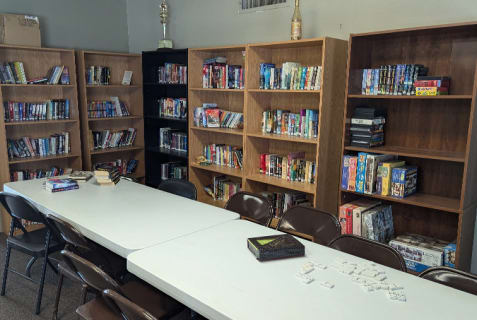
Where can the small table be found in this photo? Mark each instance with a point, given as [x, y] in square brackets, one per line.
[213, 273]
[126, 217]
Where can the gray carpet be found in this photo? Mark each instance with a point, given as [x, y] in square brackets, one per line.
[19, 300]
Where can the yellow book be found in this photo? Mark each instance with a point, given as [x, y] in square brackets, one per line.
[384, 175]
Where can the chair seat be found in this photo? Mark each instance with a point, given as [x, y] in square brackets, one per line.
[150, 299]
[33, 243]
[97, 309]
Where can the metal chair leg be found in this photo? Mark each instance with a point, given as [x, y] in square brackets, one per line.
[29, 266]
[40, 289]
[5, 270]
[57, 299]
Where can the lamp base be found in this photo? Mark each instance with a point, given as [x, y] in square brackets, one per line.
[165, 44]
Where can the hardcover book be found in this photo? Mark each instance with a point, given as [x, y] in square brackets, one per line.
[275, 247]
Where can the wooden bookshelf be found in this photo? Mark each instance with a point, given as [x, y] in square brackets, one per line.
[252, 101]
[37, 62]
[131, 95]
[436, 134]
[153, 91]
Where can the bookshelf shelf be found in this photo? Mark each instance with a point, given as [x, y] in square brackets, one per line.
[420, 200]
[37, 159]
[130, 95]
[115, 150]
[219, 169]
[157, 158]
[413, 152]
[42, 122]
[282, 183]
[283, 138]
[37, 63]
[443, 97]
[285, 91]
[253, 101]
[437, 134]
[238, 132]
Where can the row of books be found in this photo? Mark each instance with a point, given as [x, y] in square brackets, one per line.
[173, 108]
[107, 109]
[98, 75]
[392, 79]
[432, 86]
[282, 201]
[123, 166]
[172, 139]
[367, 218]
[173, 170]
[220, 75]
[222, 188]
[30, 174]
[58, 185]
[27, 147]
[107, 139]
[367, 127]
[223, 155]
[14, 73]
[36, 111]
[57, 75]
[210, 116]
[303, 124]
[376, 173]
[172, 73]
[291, 76]
[291, 167]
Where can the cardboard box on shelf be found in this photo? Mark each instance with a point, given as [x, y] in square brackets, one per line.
[20, 30]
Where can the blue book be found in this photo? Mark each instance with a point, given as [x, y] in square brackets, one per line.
[361, 172]
[345, 172]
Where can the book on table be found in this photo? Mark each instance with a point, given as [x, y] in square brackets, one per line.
[57, 185]
[275, 247]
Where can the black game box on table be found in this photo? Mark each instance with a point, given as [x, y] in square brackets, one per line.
[275, 247]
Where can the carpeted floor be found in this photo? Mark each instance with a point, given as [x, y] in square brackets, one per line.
[19, 300]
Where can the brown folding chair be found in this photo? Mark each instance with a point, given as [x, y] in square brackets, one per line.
[127, 308]
[37, 244]
[251, 206]
[318, 226]
[109, 262]
[157, 303]
[370, 250]
[450, 277]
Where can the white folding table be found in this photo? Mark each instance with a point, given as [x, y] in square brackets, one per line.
[213, 272]
[126, 217]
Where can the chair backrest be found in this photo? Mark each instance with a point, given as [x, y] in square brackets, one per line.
[178, 187]
[20, 208]
[322, 226]
[370, 250]
[128, 309]
[91, 274]
[69, 233]
[454, 278]
[251, 206]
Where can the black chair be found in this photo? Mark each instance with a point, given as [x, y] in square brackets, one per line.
[178, 187]
[454, 278]
[370, 250]
[157, 303]
[251, 206]
[37, 244]
[320, 226]
[109, 262]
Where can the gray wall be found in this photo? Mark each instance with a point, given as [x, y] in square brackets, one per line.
[197, 23]
[85, 24]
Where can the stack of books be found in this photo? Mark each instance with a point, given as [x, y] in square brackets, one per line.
[106, 175]
[57, 185]
[367, 127]
[432, 86]
[80, 176]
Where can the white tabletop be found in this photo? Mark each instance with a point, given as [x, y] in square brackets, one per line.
[125, 217]
[214, 273]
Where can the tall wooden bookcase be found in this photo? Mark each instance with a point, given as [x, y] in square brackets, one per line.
[325, 151]
[153, 91]
[131, 95]
[436, 134]
[37, 63]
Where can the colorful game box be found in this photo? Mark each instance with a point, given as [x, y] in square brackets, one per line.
[404, 181]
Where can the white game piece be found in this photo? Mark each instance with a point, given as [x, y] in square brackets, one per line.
[304, 278]
[328, 285]
[307, 268]
[320, 266]
[395, 287]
